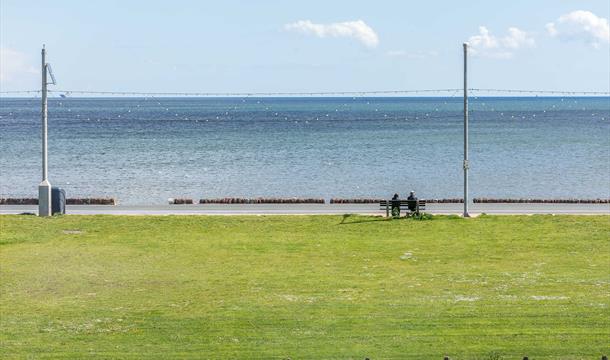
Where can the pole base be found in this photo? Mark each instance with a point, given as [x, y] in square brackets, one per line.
[44, 199]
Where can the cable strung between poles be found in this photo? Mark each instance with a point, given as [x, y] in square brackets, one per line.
[20, 92]
[316, 93]
[552, 92]
[252, 94]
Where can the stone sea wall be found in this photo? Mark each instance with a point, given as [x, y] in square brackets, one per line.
[69, 201]
[273, 200]
[262, 201]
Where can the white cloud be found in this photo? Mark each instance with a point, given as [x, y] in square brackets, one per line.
[15, 67]
[486, 44]
[357, 29]
[517, 38]
[581, 25]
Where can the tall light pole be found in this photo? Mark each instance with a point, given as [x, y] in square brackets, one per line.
[44, 188]
[466, 165]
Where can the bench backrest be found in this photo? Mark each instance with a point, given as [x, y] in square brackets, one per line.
[413, 205]
[403, 202]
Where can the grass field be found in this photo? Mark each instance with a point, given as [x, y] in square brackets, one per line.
[304, 287]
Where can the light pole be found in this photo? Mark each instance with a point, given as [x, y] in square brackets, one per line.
[44, 188]
[466, 165]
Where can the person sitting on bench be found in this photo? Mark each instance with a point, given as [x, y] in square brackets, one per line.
[395, 206]
[412, 204]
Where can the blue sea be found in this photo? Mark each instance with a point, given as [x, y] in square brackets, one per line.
[146, 150]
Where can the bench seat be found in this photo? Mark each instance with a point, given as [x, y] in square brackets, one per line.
[420, 205]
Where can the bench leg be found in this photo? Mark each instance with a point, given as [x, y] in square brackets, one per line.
[387, 210]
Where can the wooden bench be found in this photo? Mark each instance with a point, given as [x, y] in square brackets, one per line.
[419, 205]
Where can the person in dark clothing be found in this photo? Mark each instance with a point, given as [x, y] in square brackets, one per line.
[395, 206]
[412, 204]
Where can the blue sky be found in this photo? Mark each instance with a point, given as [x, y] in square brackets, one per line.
[234, 46]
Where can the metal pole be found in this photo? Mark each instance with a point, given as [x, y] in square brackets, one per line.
[44, 189]
[45, 155]
[466, 165]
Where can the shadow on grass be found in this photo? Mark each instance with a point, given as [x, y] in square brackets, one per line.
[358, 219]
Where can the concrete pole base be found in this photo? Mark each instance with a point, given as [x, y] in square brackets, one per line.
[44, 199]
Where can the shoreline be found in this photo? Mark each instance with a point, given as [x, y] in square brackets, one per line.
[296, 200]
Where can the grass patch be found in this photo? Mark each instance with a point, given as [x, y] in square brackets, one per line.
[304, 287]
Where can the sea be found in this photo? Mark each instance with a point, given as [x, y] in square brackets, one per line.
[144, 150]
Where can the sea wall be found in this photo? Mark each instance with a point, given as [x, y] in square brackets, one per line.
[69, 201]
[262, 201]
[374, 201]
[180, 201]
[540, 201]
[355, 201]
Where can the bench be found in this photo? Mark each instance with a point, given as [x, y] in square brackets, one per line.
[420, 205]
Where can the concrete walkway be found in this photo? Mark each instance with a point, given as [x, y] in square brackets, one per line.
[315, 209]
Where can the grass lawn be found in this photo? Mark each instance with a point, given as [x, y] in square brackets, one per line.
[304, 287]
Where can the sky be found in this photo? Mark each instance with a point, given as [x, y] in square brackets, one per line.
[283, 46]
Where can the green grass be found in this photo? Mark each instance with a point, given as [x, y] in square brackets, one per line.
[304, 287]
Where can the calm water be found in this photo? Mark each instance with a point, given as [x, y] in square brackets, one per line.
[143, 151]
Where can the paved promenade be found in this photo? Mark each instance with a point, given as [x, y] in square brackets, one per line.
[315, 209]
